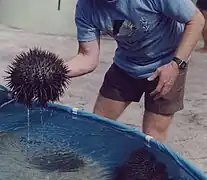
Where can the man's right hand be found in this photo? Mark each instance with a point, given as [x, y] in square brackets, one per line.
[86, 60]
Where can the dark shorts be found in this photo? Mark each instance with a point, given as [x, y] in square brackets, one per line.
[119, 86]
[202, 4]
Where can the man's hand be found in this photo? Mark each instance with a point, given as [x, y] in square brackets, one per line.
[167, 75]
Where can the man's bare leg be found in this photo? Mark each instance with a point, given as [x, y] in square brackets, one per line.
[109, 108]
[204, 49]
[156, 125]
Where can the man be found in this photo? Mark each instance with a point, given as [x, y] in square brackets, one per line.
[202, 5]
[155, 39]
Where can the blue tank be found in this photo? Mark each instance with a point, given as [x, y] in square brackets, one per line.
[60, 142]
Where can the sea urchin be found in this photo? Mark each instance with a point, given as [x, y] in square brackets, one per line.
[37, 75]
[143, 165]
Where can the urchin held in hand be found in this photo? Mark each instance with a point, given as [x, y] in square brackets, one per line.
[37, 75]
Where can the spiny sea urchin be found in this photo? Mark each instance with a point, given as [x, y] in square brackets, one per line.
[37, 75]
[142, 164]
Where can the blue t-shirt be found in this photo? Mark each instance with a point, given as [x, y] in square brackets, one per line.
[147, 32]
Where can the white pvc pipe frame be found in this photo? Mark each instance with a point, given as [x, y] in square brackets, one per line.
[39, 16]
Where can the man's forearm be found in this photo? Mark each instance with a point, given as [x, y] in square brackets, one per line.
[81, 65]
[191, 36]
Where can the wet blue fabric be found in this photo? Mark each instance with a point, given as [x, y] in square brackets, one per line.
[147, 32]
[105, 141]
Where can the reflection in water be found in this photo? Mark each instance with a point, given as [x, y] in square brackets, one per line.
[38, 162]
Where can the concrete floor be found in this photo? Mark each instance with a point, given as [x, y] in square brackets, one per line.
[188, 134]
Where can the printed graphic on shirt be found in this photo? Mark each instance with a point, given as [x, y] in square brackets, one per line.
[121, 28]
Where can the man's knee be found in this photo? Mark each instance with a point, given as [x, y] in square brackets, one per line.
[109, 108]
[157, 125]
[158, 117]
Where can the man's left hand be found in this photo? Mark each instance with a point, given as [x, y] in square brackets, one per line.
[167, 75]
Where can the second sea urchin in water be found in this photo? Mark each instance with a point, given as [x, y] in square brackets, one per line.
[37, 75]
[142, 164]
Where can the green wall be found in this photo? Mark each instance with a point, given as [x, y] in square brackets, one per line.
[194, 1]
[40, 16]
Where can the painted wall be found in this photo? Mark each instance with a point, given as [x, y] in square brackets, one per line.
[40, 16]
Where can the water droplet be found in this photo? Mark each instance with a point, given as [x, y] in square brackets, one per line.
[28, 127]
